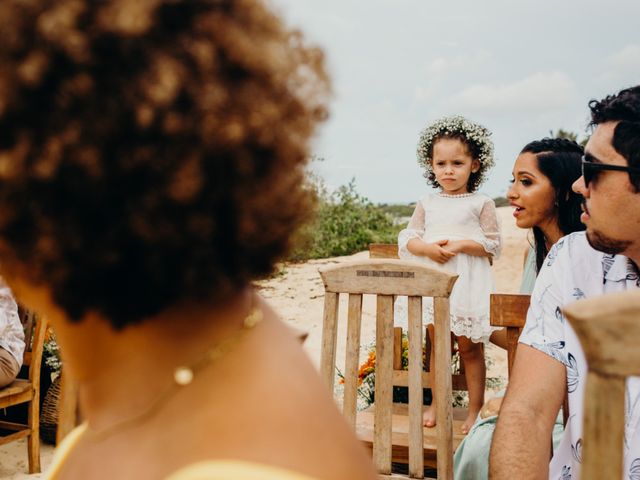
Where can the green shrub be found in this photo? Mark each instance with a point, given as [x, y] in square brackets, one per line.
[398, 210]
[345, 223]
[501, 201]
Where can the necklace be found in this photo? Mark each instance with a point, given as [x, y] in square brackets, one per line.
[183, 375]
[459, 195]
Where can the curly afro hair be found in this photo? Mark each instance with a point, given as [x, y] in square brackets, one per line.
[151, 152]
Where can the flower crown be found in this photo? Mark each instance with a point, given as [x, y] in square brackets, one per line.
[473, 133]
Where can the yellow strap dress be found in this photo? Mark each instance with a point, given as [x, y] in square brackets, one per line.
[205, 470]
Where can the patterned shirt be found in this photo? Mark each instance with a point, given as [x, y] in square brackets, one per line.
[574, 270]
[11, 330]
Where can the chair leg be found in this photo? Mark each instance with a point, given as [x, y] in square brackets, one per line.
[33, 441]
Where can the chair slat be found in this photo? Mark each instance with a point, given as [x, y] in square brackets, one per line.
[603, 431]
[352, 359]
[397, 348]
[27, 318]
[14, 436]
[416, 458]
[26, 358]
[329, 339]
[444, 413]
[384, 387]
[37, 349]
[513, 334]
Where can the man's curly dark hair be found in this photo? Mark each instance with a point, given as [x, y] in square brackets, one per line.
[151, 152]
[623, 107]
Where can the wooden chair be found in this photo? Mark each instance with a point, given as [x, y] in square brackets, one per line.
[509, 311]
[27, 391]
[393, 432]
[608, 328]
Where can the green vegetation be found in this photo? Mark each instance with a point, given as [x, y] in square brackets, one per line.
[501, 201]
[561, 133]
[345, 223]
[398, 210]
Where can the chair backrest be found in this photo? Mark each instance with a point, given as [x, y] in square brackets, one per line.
[509, 311]
[608, 328]
[35, 332]
[386, 279]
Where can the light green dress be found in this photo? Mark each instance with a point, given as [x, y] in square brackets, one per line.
[471, 460]
[529, 274]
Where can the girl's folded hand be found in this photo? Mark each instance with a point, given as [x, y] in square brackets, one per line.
[437, 253]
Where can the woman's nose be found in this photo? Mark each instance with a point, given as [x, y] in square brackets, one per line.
[511, 193]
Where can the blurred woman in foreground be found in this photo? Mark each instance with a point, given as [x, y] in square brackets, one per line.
[151, 165]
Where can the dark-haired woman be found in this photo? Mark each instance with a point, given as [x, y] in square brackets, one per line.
[543, 199]
[152, 155]
[544, 202]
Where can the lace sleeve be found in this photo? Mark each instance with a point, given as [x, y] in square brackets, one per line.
[491, 239]
[415, 229]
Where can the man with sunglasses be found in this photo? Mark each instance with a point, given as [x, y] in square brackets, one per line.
[605, 258]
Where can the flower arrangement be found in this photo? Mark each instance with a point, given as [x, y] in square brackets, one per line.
[366, 377]
[474, 133]
[51, 355]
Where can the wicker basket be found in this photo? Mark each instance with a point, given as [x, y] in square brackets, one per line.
[49, 413]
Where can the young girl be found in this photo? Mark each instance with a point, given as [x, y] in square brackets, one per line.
[457, 229]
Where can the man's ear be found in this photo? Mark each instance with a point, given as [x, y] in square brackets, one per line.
[475, 166]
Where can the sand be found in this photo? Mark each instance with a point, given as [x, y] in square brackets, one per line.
[297, 294]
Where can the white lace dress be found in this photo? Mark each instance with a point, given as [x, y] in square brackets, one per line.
[456, 217]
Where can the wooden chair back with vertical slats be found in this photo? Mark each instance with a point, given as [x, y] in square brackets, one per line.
[509, 311]
[27, 391]
[608, 328]
[386, 279]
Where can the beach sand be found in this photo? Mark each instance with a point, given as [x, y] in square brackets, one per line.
[297, 294]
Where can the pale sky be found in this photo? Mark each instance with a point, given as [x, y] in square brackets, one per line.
[521, 68]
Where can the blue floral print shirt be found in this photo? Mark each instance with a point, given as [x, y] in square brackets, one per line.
[571, 271]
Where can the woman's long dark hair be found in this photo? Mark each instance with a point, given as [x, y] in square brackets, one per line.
[559, 160]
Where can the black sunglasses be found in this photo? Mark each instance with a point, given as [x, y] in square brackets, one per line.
[590, 170]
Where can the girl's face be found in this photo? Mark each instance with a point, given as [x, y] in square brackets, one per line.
[532, 194]
[453, 165]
